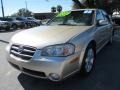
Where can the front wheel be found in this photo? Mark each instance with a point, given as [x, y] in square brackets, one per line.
[88, 61]
[25, 26]
[7, 28]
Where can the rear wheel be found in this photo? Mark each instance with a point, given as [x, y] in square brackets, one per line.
[88, 60]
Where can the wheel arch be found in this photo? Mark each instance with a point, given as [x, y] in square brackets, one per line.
[93, 43]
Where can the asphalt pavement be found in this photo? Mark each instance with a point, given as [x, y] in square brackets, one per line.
[106, 74]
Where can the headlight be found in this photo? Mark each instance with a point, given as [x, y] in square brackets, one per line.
[58, 50]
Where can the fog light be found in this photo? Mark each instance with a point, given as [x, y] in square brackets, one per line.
[54, 77]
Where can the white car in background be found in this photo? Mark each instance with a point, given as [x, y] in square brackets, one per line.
[4, 25]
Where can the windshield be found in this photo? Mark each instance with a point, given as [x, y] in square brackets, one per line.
[77, 18]
[21, 19]
[8, 19]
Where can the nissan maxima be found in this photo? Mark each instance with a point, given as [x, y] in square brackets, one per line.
[67, 44]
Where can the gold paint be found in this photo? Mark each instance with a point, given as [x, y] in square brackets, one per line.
[74, 60]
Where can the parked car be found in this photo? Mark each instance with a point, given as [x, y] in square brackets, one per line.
[66, 45]
[27, 23]
[35, 21]
[4, 25]
[116, 20]
[14, 24]
[116, 24]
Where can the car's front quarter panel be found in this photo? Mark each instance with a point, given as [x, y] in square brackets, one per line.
[81, 42]
[61, 65]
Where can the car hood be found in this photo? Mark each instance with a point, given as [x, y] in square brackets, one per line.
[38, 20]
[3, 21]
[17, 21]
[47, 35]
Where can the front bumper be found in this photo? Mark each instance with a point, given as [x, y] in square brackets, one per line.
[44, 66]
[4, 26]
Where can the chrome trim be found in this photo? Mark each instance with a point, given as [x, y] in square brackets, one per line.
[21, 51]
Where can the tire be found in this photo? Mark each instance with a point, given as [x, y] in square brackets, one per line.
[88, 61]
[7, 28]
[14, 26]
[21, 27]
[25, 26]
[31, 25]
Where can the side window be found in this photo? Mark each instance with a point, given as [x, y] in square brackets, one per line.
[18, 19]
[99, 16]
[106, 16]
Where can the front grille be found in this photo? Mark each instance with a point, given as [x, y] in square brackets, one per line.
[6, 23]
[36, 73]
[23, 52]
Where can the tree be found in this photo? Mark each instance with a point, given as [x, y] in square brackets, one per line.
[87, 3]
[22, 12]
[53, 9]
[106, 5]
[59, 8]
[77, 4]
[101, 4]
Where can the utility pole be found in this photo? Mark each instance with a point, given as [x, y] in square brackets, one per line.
[26, 7]
[2, 7]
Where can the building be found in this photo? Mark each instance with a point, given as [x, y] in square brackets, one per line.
[47, 15]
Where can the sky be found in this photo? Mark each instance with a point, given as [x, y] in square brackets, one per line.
[36, 6]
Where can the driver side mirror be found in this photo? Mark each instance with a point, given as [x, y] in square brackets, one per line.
[102, 22]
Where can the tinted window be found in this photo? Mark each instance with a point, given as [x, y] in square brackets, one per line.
[106, 16]
[1, 19]
[8, 19]
[18, 19]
